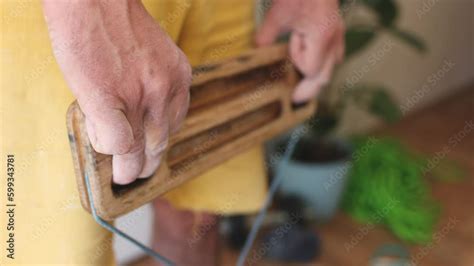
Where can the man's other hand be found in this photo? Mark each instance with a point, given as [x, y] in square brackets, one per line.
[316, 43]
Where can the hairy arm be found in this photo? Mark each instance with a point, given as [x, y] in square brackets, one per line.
[129, 78]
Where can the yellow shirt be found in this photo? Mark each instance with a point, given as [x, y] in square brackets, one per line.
[50, 225]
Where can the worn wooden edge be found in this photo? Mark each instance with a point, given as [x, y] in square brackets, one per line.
[77, 152]
[234, 65]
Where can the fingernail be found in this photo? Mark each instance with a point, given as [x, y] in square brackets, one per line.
[122, 180]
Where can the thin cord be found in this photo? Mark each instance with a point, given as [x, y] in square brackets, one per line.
[157, 256]
[295, 137]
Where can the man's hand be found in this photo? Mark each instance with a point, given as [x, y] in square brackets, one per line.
[317, 39]
[129, 78]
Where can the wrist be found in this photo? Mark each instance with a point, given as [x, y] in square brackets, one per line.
[86, 21]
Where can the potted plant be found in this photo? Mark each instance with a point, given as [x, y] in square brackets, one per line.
[317, 170]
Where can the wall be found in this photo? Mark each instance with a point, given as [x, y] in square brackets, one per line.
[415, 80]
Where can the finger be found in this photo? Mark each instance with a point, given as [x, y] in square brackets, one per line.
[109, 130]
[296, 47]
[156, 126]
[127, 167]
[326, 73]
[178, 108]
[312, 50]
[309, 87]
[180, 96]
[156, 141]
[275, 22]
[91, 133]
[306, 89]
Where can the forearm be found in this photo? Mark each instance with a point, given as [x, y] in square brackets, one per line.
[94, 38]
[129, 78]
[90, 21]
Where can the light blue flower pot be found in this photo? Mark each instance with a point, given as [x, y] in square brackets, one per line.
[320, 185]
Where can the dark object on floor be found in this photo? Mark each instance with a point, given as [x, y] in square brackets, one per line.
[237, 226]
[238, 231]
[292, 205]
[290, 243]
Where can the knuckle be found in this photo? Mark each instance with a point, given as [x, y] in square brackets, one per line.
[180, 90]
[109, 149]
[99, 148]
[121, 148]
[162, 82]
[327, 34]
[119, 144]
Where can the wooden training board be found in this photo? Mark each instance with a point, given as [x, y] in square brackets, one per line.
[235, 105]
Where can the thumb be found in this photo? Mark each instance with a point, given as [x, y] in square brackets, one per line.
[109, 131]
[311, 86]
[276, 21]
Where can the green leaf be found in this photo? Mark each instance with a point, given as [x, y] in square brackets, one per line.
[376, 100]
[326, 120]
[326, 123]
[356, 38]
[409, 38]
[387, 10]
[383, 106]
